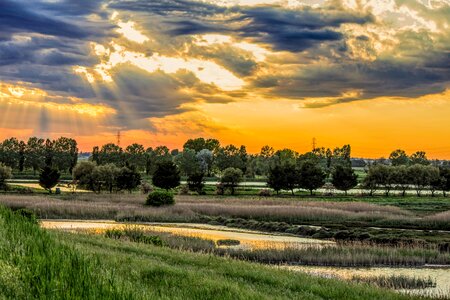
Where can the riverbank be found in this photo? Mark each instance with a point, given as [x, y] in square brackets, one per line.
[67, 266]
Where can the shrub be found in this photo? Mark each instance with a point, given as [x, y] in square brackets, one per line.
[195, 182]
[146, 187]
[228, 242]
[184, 190]
[265, 193]
[220, 189]
[159, 198]
[5, 174]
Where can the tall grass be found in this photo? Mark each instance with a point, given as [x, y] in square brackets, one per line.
[342, 255]
[192, 209]
[34, 265]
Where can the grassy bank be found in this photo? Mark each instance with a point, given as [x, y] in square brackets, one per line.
[37, 264]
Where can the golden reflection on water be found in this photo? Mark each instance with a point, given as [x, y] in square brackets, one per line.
[440, 275]
[248, 239]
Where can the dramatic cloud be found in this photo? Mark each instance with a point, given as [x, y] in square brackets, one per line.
[142, 61]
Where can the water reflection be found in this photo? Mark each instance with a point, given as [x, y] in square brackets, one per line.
[440, 275]
[249, 239]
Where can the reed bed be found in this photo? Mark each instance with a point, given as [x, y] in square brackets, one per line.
[342, 255]
[194, 209]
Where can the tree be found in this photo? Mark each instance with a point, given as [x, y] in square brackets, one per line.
[292, 177]
[436, 181]
[107, 176]
[10, 153]
[285, 157]
[420, 176]
[399, 158]
[166, 176]
[135, 156]
[342, 156]
[344, 178]
[231, 157]
[400, 178]
[49, 153]
[49, 178]
[205, 159]
[199, 144]
[187, 162]
[127, 178]
[419, 158]
[34, 153]
[83, 175]
[444, 172]
[110, 154]
[195, 182]
[231, 177]
[312, 176]
[65, 154]
[369, 183]
[5, 174]
[277, 178]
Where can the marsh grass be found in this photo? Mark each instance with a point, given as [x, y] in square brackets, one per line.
[341, 255]
[397, 281]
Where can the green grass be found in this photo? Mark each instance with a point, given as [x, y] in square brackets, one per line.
[36, 264]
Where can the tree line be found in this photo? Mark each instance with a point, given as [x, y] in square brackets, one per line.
[36, 153]
[113, 168]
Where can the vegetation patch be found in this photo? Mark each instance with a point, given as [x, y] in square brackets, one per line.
[397, 281]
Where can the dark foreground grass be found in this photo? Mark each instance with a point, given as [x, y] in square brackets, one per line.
[35, 264]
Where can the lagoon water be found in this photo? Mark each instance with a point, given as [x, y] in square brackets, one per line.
[249, 239]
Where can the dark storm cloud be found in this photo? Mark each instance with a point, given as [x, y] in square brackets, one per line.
[376, 79]
[170, 8]
[21, 16]
[295, 30]
[284, 29]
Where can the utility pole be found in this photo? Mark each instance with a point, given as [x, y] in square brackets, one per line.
[314, 141]
[118, 138]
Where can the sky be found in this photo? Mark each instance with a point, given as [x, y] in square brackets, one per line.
[371, 73]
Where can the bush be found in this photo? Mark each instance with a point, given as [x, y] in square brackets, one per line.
[184, 190]
[265, 193]
[159, 198]
[146, 187]
[220, 189]
[5, 174]
[228, 242]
